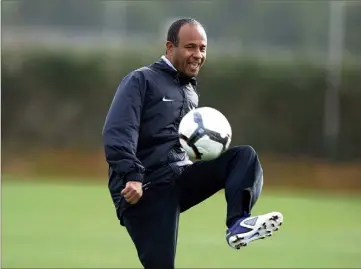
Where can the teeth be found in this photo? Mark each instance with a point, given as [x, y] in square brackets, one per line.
[194, 65]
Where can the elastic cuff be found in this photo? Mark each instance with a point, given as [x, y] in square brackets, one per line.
[134, 176]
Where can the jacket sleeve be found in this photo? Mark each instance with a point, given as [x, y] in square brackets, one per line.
[121, 128]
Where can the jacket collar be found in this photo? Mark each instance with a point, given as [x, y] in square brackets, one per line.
[168, 62]
[179, 77]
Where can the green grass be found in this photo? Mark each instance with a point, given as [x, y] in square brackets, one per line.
[69, 225]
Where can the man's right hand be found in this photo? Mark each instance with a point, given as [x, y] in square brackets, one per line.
[133, 191]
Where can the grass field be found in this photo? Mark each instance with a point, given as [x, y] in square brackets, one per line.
[74, 225]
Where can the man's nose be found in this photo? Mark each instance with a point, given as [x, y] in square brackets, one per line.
[197, 54]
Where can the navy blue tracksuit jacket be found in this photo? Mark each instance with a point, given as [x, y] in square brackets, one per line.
[140, 134]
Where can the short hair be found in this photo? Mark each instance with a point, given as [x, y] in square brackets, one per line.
[173, 31]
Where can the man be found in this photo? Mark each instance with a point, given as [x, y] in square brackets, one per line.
[151, 179]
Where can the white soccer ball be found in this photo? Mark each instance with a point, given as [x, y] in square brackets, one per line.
[204, 133]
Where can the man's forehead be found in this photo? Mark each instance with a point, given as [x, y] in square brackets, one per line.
[192, 32]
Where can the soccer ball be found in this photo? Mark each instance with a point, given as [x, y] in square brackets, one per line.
[204, 133]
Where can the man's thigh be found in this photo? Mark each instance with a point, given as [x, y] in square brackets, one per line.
[153, 227]
[202, 179]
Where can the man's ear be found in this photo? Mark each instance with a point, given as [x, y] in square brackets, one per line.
[169, 45]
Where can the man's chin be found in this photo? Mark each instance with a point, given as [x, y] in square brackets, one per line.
[192, 73]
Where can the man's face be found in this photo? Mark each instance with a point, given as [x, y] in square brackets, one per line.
[190, 54]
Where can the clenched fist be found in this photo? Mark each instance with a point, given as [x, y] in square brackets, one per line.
[133, 191]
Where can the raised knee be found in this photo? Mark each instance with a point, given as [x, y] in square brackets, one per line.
[245, 151]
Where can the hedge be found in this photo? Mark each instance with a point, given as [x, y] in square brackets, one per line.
[60, 99]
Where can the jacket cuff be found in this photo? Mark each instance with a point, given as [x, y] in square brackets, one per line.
[134, 176]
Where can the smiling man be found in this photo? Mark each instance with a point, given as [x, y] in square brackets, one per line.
[151, 179]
